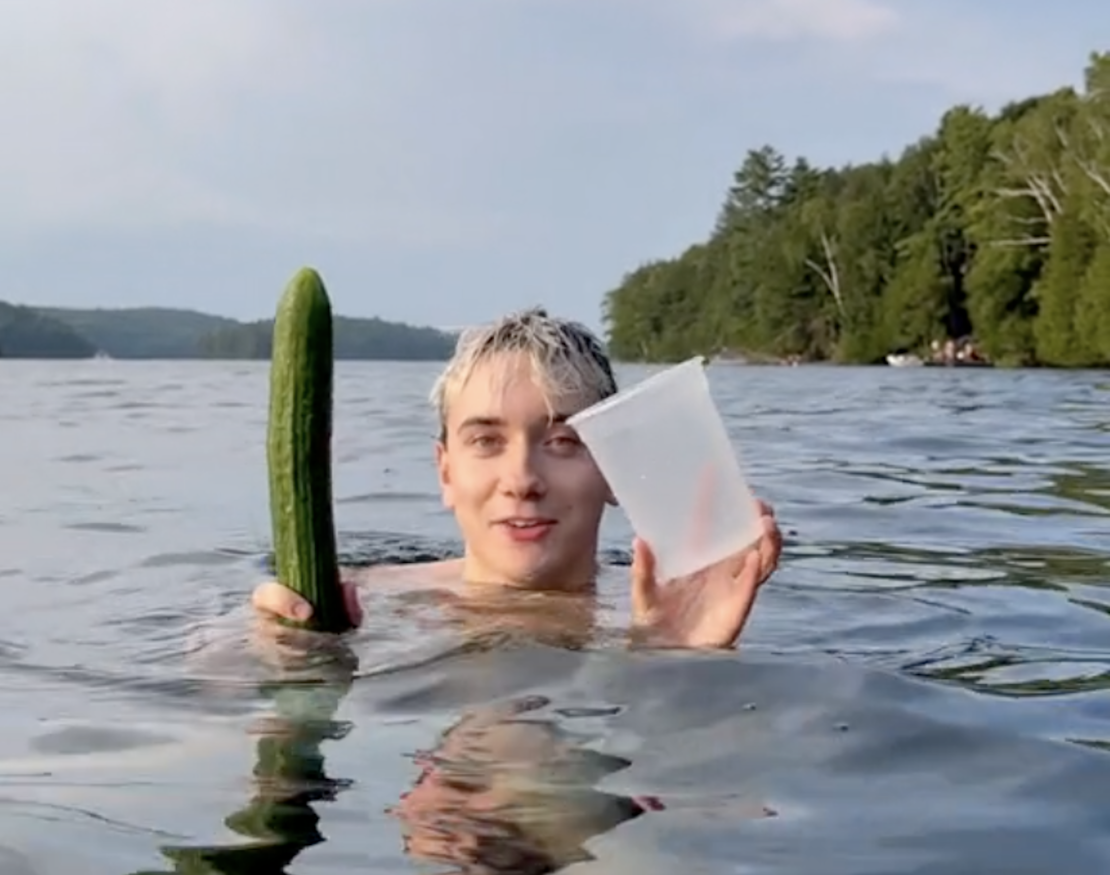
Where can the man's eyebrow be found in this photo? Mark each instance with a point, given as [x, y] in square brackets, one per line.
[498, 422]
[481, 422]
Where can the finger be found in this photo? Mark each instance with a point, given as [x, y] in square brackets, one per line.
[351, 602]
[770, 548]
[736, 600]
[734, 564]
[273, 598]
[774, 535]
[750, 571]
[643, 578]
[747, 584]
[764, 508]
[277, 645]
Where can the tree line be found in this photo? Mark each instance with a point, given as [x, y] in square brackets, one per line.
[353, 338]
[995, 226]
[27, 333]
[170, 333]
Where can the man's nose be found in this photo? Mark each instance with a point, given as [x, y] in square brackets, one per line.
[522, 474]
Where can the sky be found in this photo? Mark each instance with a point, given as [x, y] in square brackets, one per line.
[441, 162]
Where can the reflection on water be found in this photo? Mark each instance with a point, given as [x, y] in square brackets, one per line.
[787, 763]
[503, 791]
[923, 689]
[290, 779]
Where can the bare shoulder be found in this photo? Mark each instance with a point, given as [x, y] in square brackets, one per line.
[446, 572]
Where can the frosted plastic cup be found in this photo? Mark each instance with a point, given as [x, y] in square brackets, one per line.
[663, 449]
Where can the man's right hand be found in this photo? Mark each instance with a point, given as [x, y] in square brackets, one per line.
[272, 599]
[292, 650]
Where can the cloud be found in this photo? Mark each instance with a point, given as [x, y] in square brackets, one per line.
[262, 114]
[989, 59]
[837, 20]
[425, 124]
[105, 95]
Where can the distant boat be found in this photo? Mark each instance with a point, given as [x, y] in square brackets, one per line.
[904, 360]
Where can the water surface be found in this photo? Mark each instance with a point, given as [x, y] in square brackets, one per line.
[923, 687]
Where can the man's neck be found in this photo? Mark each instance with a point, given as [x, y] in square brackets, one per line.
[580, 578]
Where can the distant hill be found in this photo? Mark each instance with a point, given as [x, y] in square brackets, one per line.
[169, 333]
[28, 333]
[354, 339]
[142, 332]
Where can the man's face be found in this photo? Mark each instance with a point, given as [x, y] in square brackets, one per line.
[524, 489]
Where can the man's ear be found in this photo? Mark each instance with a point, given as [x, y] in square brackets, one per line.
[443, 471]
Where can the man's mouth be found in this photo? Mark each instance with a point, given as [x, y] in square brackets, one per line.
[526, 522]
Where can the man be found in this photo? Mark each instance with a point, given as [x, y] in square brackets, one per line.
[529, 499]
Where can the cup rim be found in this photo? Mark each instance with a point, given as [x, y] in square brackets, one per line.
[633, 391]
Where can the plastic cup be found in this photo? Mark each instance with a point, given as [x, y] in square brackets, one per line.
[663, 448]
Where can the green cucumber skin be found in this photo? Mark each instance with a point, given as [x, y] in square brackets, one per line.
[298, 451]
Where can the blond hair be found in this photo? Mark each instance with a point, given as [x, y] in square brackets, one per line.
[566, 358]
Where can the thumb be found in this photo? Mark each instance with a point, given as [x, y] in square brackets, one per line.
[644, 586]
[273, 598]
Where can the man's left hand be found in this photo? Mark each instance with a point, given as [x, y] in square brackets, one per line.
[707, 609]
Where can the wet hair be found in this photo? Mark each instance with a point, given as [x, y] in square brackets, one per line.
[566, 358]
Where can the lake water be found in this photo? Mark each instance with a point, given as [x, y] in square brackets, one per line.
[923, 686]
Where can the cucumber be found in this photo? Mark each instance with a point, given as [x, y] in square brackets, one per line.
[298, 450]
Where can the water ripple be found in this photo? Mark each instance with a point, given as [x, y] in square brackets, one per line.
[937, 633]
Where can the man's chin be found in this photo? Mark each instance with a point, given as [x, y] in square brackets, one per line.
[513, 566]
[530, 566]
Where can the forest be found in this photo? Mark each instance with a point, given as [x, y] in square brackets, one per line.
[993, 232]
[353, 339]
[173, 333]
[27, 333]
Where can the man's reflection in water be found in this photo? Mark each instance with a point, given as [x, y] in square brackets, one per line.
[507, 792]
